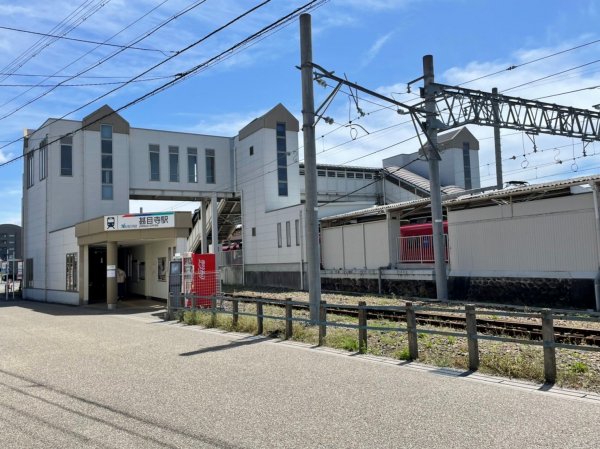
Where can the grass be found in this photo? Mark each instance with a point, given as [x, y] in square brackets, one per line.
[510, 360]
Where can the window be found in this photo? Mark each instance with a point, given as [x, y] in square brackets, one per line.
[251, 151]
[106, 148]
[321, 173]
[210, 166]
[282, 183]
[302, 172]
[162, 268]
[253, 232]
[349, 175]
[30, 169]
[359, 176]
[154, 163]
[297, 225]
[368, 176]
[341, 174]
[174, 164]
[288, 233]
[29, 273]
[43, 158]
[467, 165]
[66, 156]
[192, 165]
[331, 174]
[72, 272]
[279, 235]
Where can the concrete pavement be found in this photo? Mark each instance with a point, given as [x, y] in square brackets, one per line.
[83, 377]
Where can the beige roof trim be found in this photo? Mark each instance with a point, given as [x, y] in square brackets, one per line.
[278, 114]
[119, 124]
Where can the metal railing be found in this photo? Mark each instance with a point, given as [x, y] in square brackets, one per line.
[217, 305]
[229, 258]
[418, 249]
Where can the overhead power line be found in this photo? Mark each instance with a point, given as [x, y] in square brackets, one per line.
[112, 55]
[86, 41]
[87, 84]
[87, 10]
[513, 67]
[278, 23]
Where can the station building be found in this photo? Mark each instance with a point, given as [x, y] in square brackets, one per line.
[77, 224]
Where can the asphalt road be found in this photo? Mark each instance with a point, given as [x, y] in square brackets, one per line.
[80, 377]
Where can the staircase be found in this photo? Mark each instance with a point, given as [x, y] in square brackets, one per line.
[229, 216]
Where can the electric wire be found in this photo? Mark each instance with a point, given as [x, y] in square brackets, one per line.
[86, 41]
[291, 16]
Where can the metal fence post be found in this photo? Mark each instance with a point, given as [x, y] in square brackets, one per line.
[322, 319]
[213, 306]
[235, 305]
[362, 331]
[411, 325]
[549, 349]
[167, 316]
[472, 341]
[259, 318]
[288, 318]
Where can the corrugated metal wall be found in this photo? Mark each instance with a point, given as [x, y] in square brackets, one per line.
[562, 239]
[360, 246]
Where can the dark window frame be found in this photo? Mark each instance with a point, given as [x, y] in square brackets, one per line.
[281, 147]
[174, 151]
[106, 152]
[154, 149]
[192, 154]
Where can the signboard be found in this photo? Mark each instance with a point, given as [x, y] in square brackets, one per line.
[139, 221]
[20, 270]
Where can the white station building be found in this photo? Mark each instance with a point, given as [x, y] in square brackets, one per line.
[77, 225]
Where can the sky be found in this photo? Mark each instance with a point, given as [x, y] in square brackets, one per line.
[377, 43]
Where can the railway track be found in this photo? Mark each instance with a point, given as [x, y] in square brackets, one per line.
[513, 328]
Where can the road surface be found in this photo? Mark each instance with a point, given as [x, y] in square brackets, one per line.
[84, 377]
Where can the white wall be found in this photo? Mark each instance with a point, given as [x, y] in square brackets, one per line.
[552, 235]
[149, 254]
[359, 246]
[140, 140]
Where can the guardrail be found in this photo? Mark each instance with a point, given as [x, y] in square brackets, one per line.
[546, 315]
[230, 258]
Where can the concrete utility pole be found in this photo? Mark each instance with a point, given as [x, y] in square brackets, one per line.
[498, 148]
[310, 167]
[439, 245]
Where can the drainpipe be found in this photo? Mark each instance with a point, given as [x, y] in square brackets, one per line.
[597, 214]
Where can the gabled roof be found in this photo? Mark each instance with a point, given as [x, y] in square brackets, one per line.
[269, 120]
[105, 116]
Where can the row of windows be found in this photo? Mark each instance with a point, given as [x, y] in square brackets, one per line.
[5, 235]
[282, 178]
[341, 174]
[192, 163]
[288, 233]
[106, 148]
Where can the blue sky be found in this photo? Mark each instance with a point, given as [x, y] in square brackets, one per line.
[379, 43]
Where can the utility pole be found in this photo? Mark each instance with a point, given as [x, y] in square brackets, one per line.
[439, 245]
[310, 167]
[498, 148]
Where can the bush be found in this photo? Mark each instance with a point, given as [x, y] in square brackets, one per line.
[403, 354]
[579, 367]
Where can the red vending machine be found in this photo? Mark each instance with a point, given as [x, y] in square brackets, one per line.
[200, 278]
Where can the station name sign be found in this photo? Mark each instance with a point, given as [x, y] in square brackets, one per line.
[139, 221]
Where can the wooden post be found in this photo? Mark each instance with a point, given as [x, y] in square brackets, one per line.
[322, 319]
[472, 342]
[213, 306]
[288, 318]
[549, 349]
[362, 333]
[413, 339]
[235, 307]
[259, 318]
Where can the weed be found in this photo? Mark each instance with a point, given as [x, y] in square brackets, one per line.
[429, 345]
[579, 367]
[402, 354]
[451, 340]
[349, 343]
[421, 335]
[495, 317]
[387, 339]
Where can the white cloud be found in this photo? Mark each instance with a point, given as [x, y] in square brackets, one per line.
[375, 49]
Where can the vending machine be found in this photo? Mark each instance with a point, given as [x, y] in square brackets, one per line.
[200, 278]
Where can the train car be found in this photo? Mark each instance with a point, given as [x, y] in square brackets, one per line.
[416, 244]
